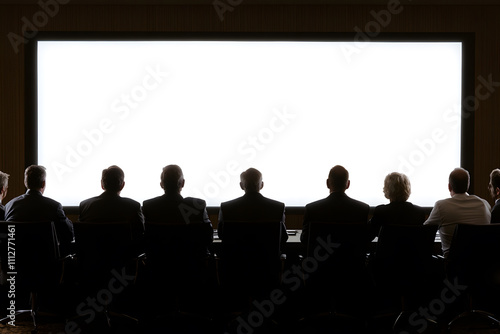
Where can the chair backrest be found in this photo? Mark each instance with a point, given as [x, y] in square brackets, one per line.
[474, 255]
[348, 240]
[250, 252]
[403, 257]
[103, 246]
[32, 249]
[252, 239]
[177, 241]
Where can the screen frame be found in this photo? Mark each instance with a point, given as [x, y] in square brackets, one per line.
[467, 90]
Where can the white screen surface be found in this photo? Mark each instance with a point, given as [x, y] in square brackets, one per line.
[292, 110]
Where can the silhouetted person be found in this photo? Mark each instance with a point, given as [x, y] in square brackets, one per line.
[33, 206]
[494, 187]
[252, 206]
[110, 206]
[4, 185]
[337, 207]
[397, 190]
[177, 259]
[172, 207]
[461, 208]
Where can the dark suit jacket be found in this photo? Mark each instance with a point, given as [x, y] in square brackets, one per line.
[2, 212]
[33, 206]
[495, 213]
[400, 213]
[110, 207]
[249, 207]
[176, 209]
[336, 208]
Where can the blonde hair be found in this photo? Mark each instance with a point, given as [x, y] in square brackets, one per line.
[397, 187]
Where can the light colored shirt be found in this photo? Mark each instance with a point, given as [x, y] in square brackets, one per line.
[459, 209]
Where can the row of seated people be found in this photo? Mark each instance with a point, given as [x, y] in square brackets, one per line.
[337, 207]
[253, 206]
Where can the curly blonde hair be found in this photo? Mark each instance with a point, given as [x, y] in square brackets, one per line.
[397, 187]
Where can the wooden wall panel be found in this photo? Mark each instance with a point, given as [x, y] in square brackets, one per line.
[482, 20]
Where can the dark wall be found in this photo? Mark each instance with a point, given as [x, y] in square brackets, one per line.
[481, 20]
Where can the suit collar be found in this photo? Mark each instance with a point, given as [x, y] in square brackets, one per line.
[109, 194]
[337, 194]
[253, 194]
[34, 192]
[174, 196]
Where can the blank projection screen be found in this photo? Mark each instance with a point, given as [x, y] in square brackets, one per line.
[292, 109]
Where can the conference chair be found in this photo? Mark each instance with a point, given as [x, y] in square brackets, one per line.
[250, 262]
[30, 259]
[473, 264]
[404, 270]
[108, 262]
[335, 278]
[180, 275]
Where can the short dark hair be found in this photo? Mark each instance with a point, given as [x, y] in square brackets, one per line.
[113, 178]
[338, 177]
[495, 178]
[172, 178]
[34, 177]
[459, 180]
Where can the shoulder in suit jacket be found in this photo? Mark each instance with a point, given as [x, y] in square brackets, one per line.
[252, 206]
[33, 206]
[401, 213]
[495, 213]
[173, 208]
[338, 208]
[110, 207]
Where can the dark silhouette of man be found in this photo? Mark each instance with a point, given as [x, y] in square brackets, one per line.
[337, 207]
[252, 206]
[494, 187]
[171, 207]
[461, 208]
[110, 206]
[4, 185]
[33, 206]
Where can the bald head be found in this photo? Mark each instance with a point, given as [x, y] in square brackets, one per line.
[172, 179]
[251, 180]
[459, 181]
[338, 179]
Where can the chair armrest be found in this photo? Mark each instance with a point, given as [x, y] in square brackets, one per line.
[70, 258]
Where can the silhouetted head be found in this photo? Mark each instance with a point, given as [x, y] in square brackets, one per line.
[459, 181]
[397, 187]
[251, 180]
[338, 179]
[4, 185]
[113, 179]
[34, 178]
[494, 185]
[172, 179]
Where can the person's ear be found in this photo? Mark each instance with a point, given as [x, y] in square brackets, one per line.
[123, 185]
[241, 186]
[182, 184]
[102, 185]
[161, 185]
[261, 185]
[348, 184]
[328, 183]
[497, 192]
